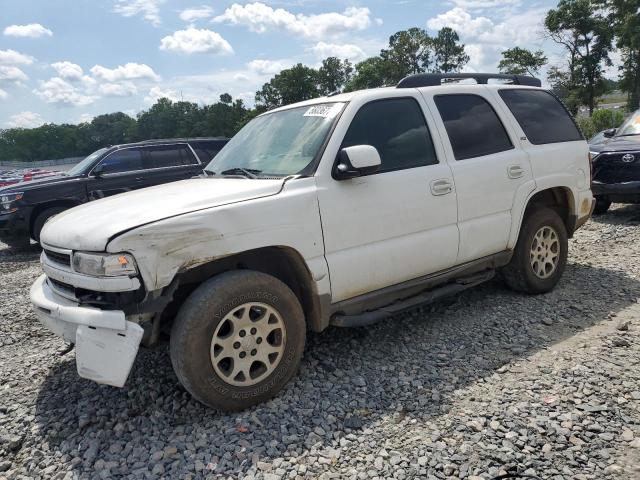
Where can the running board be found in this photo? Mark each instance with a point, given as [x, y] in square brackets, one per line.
[374, 316]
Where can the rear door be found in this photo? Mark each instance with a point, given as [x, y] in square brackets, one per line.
[169, 163]
[489, 167]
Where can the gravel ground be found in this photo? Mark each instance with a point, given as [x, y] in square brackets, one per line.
[487, 383]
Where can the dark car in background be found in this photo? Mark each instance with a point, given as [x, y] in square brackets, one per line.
[616, 165]
[26, 206]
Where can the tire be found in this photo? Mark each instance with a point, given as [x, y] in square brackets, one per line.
[18, 244]
[542, 235]
[41, 219]
[202, 344]
[602, 205]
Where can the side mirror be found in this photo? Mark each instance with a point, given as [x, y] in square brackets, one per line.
[357, 161]
[610, 132]
[98, 171]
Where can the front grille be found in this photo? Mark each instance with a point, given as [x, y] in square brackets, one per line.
[59, 258]
[62, 287]
[611, 168]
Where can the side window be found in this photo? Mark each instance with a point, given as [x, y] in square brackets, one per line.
[396, 127]
[542, 117]
[126, 160]
[472, 125]
[162, 156]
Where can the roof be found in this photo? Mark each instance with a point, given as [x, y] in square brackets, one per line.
[428, 80]
[157, 141]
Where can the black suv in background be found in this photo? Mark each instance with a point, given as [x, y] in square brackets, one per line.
[616, 165]
[25, 207]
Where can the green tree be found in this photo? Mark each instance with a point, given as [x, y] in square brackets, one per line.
[333, 75]
[448, 53]
[624, 16]
[409, 53]
[369, 73]
[521, 61]
[111, 129]
[292, 85]
[582, 29]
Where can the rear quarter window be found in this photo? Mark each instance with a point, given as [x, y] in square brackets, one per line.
[541, 115]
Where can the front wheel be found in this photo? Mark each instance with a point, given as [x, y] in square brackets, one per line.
[540, 255]
[238, 339]
[42, 218]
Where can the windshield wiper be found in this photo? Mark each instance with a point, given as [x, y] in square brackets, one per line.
[628, 135]
[208, 173]
[245, 172]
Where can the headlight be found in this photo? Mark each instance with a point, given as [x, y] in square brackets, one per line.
[8, 200]
[104, 264]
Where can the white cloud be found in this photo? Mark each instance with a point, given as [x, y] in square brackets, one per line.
[11, 74]
[25, 120]
[32, 30]
[268, 67]
[193, 40]
[149, 9]
[124, 89]
[241, 77]
[196, 13]
[68, 70]
[11, 57]
[486, 38]
[261, 18]
[3, 94]
[351, 52]
[60, 92]
[484, 4]
[85, 118]
[128, 71]
[157, 93]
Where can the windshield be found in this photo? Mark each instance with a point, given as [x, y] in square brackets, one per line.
[86, 163]
[631, 126]
[277, 144]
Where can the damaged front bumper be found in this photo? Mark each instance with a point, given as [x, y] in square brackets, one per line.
[106, 343]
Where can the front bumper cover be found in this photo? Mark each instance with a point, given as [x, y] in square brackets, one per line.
[619, 191]
[14, 226]
[106, 343]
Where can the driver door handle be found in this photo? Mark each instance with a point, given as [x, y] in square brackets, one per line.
[442, 186]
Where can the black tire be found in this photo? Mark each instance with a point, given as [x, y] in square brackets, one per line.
[18, 244]
[42, 218]
[196, 323]
[519, 274]
[602, 205]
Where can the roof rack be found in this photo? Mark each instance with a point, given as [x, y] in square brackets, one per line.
[433, 79]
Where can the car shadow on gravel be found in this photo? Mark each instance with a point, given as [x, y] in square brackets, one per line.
[622, 215]
[354, 379]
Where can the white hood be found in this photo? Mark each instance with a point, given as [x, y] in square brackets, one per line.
[90, 226]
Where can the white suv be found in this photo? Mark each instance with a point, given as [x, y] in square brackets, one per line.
[336, 211]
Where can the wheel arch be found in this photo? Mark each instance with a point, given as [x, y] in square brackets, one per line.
[41, 207]
[559, 198]
[282, 262]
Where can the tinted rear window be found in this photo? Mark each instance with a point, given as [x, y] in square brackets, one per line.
[162, 156]
[472, 125]
[542, 117]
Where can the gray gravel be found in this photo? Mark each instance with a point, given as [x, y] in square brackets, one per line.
[486, 383]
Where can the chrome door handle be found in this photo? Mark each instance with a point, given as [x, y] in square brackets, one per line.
[515, 171]
[441, 186]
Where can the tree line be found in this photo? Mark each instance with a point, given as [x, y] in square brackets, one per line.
[588, 31]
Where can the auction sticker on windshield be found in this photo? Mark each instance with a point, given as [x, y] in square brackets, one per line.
[327, 110]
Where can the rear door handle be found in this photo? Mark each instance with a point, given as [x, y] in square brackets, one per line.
[139, 179]
[515, 171]
[442, 186]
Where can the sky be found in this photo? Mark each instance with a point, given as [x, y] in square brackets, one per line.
[70, 60]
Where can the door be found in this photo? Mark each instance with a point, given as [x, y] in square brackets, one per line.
[169, 163]
[119, 172]
[488, 170]
[398, 223]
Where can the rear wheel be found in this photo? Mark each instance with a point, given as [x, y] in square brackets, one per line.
[42, 218]
[238, 339]
[602, 205]
[540, 255]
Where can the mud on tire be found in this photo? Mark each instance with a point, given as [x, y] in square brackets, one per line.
[216, 311]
